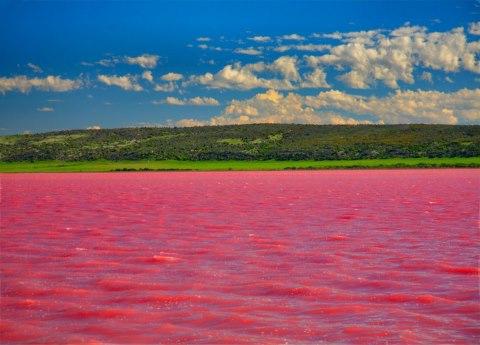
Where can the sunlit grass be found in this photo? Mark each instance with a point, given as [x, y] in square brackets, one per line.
[92, 166]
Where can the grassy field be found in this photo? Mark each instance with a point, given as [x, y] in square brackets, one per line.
[99, 166]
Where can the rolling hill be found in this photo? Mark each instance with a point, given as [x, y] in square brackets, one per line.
[246, 142]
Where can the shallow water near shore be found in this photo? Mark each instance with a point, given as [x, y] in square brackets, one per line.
[289, 257]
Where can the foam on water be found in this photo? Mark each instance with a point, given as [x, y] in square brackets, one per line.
[380, 256]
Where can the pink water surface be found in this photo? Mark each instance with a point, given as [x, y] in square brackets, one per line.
[342, 257]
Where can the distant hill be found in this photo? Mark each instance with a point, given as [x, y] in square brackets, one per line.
[246, 142]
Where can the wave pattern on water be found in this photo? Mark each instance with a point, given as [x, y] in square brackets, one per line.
[318, 257]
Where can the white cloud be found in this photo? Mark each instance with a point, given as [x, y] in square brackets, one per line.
[474, 28]
[204, 39]
[448, 79]
[362, 37]
[147, 75]
[405, 106]
[334, 35]
[166, 87]
[190, 123]
[94, 128]
[316, 79]
[260, 39]
[203, 101]
[427, 76]
[287, 66]
[197, 101]
[126, 82]
[45, 109]
[170, 85]
[205, 46]
[248, 51]
[374, 56]
[172, 76]
[171, 101]
[302, 47]
[108, 62]
[240, 77]
[274, 107]
[144, 61]
[35, 68]
[336, 107]
[282, 74]
[50, 83]
[293, 37]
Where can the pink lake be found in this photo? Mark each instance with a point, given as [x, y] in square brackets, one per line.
[298, 257]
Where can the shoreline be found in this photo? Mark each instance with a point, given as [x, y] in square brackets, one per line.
[232, 165]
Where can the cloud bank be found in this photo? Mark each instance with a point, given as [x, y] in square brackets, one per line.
[337, 107]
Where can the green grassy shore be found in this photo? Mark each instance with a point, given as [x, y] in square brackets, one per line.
[174, 165]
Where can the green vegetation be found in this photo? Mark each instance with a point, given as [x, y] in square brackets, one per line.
[58, 166]
[260, 142]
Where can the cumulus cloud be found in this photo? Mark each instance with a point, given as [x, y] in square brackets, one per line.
[203, 39]
[391, 57]
[287, 66]
[94, 127]
[260, 39]
[282, 74]
[144, 61]
[427, 76]
[172, 76]
[170, 79]
[51, 83]
[405, 106]
[334, 35]
[316, 79]
[270, 107]
[206, 46]
[302, 47]
[241, 77]
[203, 101]
[108, 62]
[474, 28]
[198, 101]
[364, 59]
[45, 109]
[248, 51]
[126, 82]
[190, 123]
[166, 87]
[35, 68]
[293, 37]
[336, 107]
[147, 75]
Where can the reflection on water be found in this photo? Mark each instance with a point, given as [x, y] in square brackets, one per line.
[217, 258]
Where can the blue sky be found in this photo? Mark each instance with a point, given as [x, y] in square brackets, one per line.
[69, 65]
